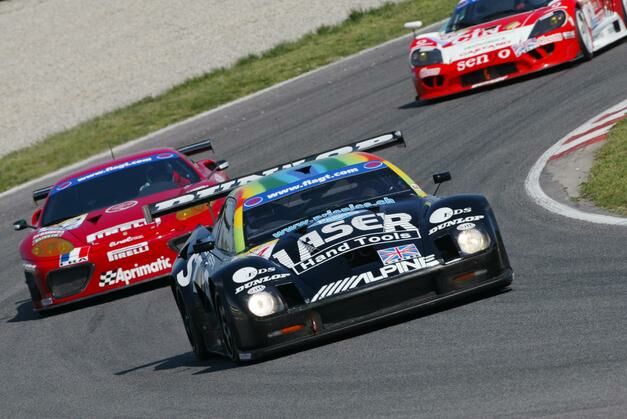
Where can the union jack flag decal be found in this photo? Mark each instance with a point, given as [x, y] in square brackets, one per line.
[398, 253]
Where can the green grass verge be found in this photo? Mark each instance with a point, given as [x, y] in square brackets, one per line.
[363, 29]
[607, 183]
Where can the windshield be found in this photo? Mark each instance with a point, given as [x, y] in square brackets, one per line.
[116, 184]
[475, 12]
[325, 201]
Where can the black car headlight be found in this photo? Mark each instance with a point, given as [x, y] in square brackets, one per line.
[472, 241]
[264, 303]
[548, 23]
[421, 57]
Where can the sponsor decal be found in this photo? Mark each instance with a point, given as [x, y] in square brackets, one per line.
[121, 207]
[265, 250]
[455, 222]
[312, 182]
[476, 34]
[385, 272]
[57, 230]
[209, 191]
[29, 266]
[254, 283]
[249, 273]
[378, 228]
[125, 241]
[528, 45]
[78, 255]
[424, 42]
[466, 226]
[126, 275]
[569, 35]
[445, 213]
[255, 290]
[472, 62]
[128, 251]
[398, 253]
[550, 39]
[109, 170]
[428, 72]
[119, 228]
[333, 215]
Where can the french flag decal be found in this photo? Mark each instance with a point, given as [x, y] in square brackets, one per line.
[77, 255]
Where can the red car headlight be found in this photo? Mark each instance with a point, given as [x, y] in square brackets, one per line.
[52, 247]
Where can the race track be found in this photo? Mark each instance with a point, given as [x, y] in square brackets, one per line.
[554, 345]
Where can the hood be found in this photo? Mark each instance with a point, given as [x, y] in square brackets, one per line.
[362, 243]
[510, 31]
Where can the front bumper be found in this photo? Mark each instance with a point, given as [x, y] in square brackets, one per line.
[374, 303]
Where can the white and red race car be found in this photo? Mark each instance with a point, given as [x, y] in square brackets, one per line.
[488, 41]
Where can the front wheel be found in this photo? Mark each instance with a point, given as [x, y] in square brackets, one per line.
[584, 36]
[193, 331]
[228, 340]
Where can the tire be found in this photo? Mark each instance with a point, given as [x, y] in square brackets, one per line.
[192, 329]
[584, 36]
[228, 341]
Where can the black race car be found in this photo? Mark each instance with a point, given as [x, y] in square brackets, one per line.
[319, 246]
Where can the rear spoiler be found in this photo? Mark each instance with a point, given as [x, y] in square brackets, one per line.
[41, 194]
[196, 148]
[211, 193]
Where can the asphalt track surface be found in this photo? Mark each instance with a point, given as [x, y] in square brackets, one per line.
[555, 345]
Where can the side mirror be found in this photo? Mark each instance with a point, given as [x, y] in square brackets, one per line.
[205, 245]
[413, 26]
[21, 225]
[441, 177]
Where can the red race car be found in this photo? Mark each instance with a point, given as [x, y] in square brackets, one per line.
[90, 237]
[488, 41]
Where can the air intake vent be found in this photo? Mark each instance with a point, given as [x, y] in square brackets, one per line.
[290, 295]
[66, 282]
[447, 248]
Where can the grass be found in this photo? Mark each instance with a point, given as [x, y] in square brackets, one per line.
[607, 183]
[362, 29]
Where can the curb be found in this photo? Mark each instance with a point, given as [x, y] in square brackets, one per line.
[122, 147]
[593, 131]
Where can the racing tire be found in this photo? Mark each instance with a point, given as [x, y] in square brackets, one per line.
[228, 341]
[584, 36]
[192, 329]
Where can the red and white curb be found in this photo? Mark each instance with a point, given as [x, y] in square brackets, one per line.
[591, 132]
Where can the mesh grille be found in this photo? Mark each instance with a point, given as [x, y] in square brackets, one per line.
[489, 73]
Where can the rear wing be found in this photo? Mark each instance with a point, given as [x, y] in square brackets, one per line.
[196, 148]
[41, 194]
[211, 193]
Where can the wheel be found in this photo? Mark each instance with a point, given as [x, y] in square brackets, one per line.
[193, 331]
[228, 341]
[584, 35]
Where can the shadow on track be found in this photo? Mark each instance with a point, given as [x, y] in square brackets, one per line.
[26, 313]
[219, 363]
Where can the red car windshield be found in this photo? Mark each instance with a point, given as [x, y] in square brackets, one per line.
[116, 184]
[475, 12]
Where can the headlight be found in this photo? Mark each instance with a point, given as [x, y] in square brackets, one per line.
[472, 241]
[263, 304]
[420, 57]
[52, 247]
[548, 23]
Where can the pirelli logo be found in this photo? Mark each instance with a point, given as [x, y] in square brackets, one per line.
[128, 251]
